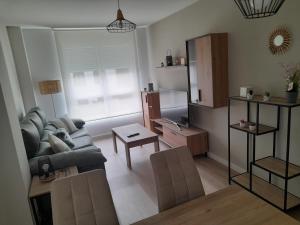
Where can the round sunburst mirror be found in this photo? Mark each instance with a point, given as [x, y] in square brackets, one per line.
[280, 41]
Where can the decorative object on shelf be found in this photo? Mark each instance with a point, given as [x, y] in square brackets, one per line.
[250, 95]
[182, 61]
[244, 91]
[150, 87]
[177, 61]
[252, 126]
[50, 87]
[121, 25]
[280, 41]
[46, 171]
[169, 58]
[292, 77]
[267, 96]
[252, 9]
[243, 123]
[162, 64]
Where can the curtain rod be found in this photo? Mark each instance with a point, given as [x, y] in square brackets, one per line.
[85, 28]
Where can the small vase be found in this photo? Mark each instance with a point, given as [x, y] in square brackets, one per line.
[292, 96]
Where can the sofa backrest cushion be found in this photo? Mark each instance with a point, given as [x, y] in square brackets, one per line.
[50, 127]
[40, 113]
[31, 137]
[36, 120]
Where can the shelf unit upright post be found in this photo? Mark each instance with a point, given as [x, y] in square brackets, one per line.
[266, 190]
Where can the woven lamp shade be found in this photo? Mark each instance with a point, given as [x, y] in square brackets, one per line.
[48, 87]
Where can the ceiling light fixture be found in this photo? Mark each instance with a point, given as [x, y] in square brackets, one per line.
[252, 9]
[121, 25]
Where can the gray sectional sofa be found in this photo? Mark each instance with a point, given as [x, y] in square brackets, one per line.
[35, 130]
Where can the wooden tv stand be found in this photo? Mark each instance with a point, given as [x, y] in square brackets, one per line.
[194, 138]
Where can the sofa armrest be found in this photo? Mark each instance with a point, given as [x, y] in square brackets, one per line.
[82, 158]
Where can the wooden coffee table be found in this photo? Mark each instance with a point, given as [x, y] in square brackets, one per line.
[145, 137]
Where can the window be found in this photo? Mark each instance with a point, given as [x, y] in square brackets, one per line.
[99, 73]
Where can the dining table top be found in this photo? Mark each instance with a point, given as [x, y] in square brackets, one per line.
[230, 206]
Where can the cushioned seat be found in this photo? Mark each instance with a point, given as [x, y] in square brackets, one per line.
[84, 199]
[82, 142]
[80, 133]
[176, 177]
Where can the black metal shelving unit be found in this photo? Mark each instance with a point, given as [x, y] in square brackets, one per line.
[266, 190]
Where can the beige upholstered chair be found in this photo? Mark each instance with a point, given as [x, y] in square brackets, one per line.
[176, 177]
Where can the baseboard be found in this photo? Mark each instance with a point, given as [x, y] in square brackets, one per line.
[225, 162]
[108, 134]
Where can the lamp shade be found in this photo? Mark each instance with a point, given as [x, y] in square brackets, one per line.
[48, 87]
[252, 9]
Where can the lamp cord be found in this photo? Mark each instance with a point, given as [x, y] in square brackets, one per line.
[53, 106]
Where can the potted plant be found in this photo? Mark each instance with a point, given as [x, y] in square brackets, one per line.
[292, 77]
[243, 123]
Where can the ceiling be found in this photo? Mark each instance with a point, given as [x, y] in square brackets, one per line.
[85, 13]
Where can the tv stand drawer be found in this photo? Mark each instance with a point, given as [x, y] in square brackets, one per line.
[174, 138]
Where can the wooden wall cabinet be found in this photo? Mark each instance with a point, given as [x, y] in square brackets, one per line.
[151, 108]
[208, 70]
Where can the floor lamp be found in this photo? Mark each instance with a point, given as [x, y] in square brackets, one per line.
[50, 87]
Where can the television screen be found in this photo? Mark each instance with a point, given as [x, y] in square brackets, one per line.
[174, 105]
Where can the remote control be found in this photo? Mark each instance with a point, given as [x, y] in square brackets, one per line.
[133, 135]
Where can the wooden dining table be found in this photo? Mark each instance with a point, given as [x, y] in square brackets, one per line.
[230, 206]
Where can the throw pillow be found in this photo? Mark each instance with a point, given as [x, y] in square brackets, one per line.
[63, 135]
[58, 123]
[79, 123]
[58, 145]
[69, 124]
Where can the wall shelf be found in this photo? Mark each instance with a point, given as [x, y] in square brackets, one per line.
[274, 166]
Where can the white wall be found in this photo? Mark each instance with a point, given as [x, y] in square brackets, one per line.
[22, 67]
[250, 63]
[14, 169]
[13, 78]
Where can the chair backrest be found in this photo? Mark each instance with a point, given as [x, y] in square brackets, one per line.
[176, 177]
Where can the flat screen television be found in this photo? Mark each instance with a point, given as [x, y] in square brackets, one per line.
[174, 106]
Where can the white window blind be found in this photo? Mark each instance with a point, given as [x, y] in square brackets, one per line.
[99, 73]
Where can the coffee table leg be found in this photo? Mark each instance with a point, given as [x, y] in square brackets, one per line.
[128, 156]
[115, 142]
[156, 145]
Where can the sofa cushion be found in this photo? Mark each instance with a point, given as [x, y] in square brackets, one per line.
[36, 120]
[58, 145]
[79, 123]
[63, 135]
[40, 113]
[69, 124]
[80, 133]
[81, 142]
[88, 158]
[44, 149]
[50, 127]
[31, 137]
[57, 123]
[45, 136]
